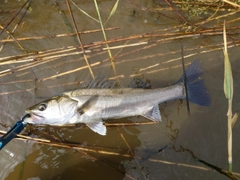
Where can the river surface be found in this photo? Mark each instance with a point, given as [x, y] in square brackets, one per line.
[41, 60]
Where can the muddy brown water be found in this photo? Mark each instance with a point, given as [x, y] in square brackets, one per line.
[157, 151]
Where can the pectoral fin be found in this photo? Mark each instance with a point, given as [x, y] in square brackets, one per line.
[74, 119]
[153, 114]
[88, 104]
[98, 127]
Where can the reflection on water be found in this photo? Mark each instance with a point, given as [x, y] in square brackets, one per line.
[145, 39]
[73, 163]
[14, 154]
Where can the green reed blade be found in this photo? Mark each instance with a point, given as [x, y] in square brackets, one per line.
[112, 11]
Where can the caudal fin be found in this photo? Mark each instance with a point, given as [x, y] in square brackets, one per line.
[197, 92]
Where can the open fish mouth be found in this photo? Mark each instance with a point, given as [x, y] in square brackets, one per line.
[34, 118]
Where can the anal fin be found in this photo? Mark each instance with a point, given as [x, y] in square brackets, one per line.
[98, 127]
[153, 114]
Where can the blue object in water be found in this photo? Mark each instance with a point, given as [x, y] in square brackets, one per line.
[16, 129]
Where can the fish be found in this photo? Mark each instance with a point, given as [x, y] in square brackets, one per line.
[93, 106]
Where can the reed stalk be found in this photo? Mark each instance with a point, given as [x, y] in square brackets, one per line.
[228, 90]
[105, 37]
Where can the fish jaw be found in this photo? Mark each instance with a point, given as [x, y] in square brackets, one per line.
[34, 118]
[58, 120]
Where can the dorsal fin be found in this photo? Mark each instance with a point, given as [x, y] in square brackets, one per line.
[99, 82]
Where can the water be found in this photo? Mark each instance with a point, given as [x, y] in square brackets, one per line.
[157, 151]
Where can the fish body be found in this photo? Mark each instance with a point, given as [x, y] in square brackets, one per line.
[118, 103]
[91, 106]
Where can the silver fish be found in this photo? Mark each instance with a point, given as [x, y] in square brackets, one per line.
[92, 106]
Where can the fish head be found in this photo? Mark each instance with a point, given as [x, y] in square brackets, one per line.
[55, 111]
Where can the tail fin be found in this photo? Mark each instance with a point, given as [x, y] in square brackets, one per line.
[197, 92]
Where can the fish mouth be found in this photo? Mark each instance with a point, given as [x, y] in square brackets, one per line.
[34, 118]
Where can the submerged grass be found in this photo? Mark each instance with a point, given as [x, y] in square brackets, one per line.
[79, 39]
[102, 24]
[103, 31]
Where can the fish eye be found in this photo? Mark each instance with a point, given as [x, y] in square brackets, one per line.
[42, 107]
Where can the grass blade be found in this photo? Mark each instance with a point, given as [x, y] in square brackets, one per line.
[105, 37]
[228, 90]
[234, 119]
[228, 80]
[84, 12]
[79, 39]
[112, 11]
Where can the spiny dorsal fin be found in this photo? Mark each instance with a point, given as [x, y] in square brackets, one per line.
[99, 82]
